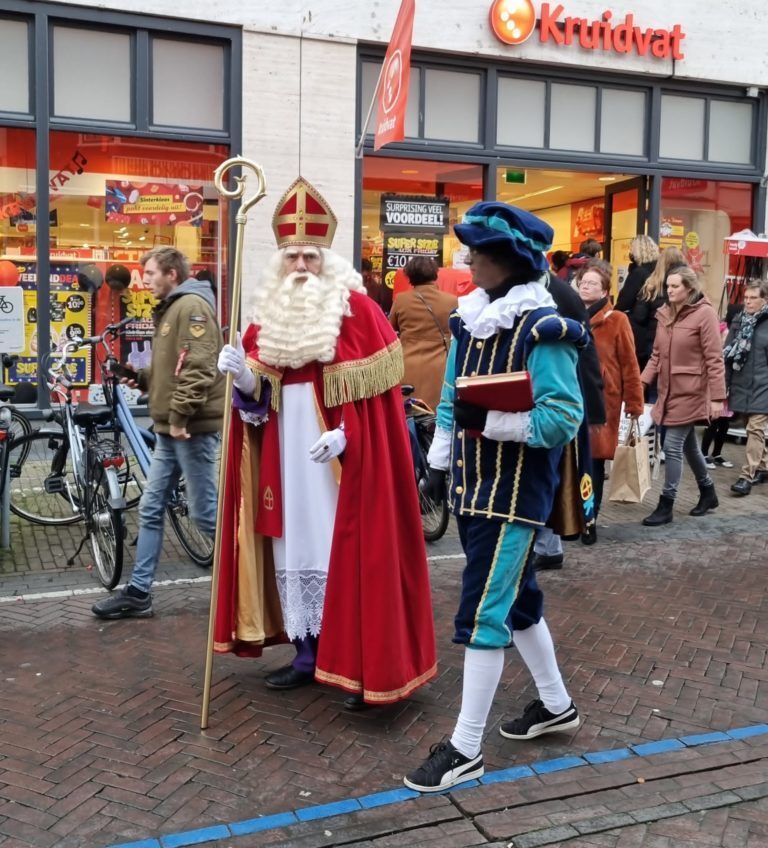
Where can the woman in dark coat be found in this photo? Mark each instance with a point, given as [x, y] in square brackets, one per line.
[643, 254]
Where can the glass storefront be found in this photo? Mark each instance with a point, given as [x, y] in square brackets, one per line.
[409, 209]
[110, 200]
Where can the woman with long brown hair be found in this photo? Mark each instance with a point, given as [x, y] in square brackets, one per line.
[687, 367]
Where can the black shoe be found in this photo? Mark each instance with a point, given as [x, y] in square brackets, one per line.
[445, 767]
[123, 604]
[288, 677]
[741, 487]
[355, 703]
[590, 537]
[707, 500]
[760, 477]
[537, 720]
[721, 462]
[662, 514]
[541, 562]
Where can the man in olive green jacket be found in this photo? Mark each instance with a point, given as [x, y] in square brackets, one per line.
[186, 404]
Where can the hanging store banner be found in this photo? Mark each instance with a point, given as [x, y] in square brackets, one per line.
[392, 93]
[153, 203]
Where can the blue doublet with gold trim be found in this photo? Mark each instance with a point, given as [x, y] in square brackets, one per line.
[511, 481]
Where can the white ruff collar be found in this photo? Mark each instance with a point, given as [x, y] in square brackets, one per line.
[483, 317]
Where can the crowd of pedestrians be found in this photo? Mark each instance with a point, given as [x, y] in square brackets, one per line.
[316, 393]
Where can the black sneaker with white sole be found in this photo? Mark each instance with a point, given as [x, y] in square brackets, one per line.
[537, 720]
[445, 767]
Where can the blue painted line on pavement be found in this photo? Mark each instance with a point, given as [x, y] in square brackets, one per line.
[395, 796]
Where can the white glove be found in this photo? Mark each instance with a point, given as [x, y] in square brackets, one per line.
[232, 361]
[508, 426]
[328, 446]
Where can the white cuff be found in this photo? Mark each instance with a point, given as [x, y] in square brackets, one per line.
[439, 455]
[508, 426]
[246, 382]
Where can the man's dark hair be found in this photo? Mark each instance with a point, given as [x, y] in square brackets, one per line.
[559, 258]
[421, 270]
[591, 247]
[168, 259]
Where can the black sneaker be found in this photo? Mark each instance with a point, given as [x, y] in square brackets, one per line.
[542, 562]
[445, 767]
[721, 462]
[123, 604]
[537, 720]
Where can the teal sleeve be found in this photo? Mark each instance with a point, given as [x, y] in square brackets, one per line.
[445, 407]
[558, 405]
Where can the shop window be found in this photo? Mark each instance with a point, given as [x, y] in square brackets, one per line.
[622, 122]
[370, 76]
[14, 66]
[92, 72]
[572, 117]
[696, 215]
[409, 209]
[188, 79]
[517, 98]
[682, 127]
[730, 132]
[452, 106]
[111, 200]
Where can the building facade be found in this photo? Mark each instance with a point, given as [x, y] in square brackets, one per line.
[606, 120]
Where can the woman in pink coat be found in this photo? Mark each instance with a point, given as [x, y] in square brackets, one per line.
[687, 367]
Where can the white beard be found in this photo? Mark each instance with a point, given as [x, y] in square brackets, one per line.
[299, 321]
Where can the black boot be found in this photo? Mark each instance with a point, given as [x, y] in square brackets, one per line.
[707, 500]
[662, 514]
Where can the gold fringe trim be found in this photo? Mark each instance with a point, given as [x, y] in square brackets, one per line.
[363, 378]
[272, 374]
[369, 695]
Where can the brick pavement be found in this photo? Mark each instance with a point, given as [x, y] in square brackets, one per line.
[661, 634]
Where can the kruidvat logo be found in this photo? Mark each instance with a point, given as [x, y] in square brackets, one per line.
[513, 22]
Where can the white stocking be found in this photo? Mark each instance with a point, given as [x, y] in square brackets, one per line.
[538, 653]
[482, 673]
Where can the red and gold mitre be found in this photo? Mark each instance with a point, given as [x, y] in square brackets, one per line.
[303, 217]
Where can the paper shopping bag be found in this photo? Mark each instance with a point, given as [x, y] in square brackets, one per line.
[631, 472]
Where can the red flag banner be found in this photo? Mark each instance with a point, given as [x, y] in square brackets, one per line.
[395, 79]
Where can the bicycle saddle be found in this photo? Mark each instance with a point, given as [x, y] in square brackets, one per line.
[7, 392]
[86, 414]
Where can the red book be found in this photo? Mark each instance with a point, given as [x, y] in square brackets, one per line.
[510, 392]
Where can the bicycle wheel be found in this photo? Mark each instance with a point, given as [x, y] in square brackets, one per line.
[434, 516]
[20, 425]
[197, 544]
[40, 479]
[105, 522]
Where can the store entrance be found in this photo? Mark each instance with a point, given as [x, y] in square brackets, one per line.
[579, 205]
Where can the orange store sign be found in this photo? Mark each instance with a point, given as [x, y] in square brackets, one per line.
[513, 22]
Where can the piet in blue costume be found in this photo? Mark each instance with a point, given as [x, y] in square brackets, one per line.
[502, 484]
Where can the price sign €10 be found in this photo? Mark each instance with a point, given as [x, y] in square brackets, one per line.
[11, 319]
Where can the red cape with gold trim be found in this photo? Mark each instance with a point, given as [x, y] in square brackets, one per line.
[377, 635]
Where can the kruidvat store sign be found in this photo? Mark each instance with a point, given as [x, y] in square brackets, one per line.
[403, 214]
[515, 21]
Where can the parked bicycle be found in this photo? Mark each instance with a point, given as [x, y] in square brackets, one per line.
[421, 422]
[35, 498]
[19, 425]
[72, 471]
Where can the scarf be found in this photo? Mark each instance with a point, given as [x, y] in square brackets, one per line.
[737, 350]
